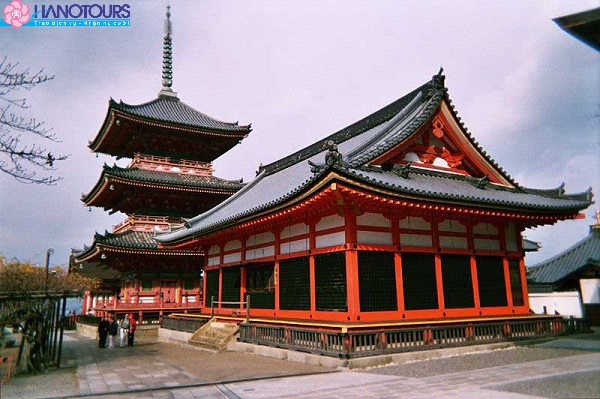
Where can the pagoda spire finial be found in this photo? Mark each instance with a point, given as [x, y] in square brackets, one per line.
[167, 68]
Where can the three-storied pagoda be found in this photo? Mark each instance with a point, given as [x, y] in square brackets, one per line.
[170, 177]
[400, 217]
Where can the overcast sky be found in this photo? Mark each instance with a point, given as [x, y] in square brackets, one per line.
[301, 70]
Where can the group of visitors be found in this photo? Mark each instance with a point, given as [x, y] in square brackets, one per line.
[109, 328]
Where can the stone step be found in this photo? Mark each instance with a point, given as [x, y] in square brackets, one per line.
[214, 335]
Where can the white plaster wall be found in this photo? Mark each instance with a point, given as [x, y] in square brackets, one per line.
[294, 246]
[565, 303]
[260, 252]
[373, 219]
[590, 290]
[329, 222]
[416, 240]
[234, 257]
[374, 237]
[332, 239]
[294, 230]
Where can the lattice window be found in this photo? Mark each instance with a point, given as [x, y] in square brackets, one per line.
[490, 277]
[330, 282]
[516, 287]
[294, 284]
[230, 291]
[457, 282]
[212, 286]
[419, 284]
[377, 281]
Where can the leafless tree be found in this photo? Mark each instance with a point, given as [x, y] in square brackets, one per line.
[20, 154]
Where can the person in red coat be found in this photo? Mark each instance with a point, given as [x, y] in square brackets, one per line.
[132, 326]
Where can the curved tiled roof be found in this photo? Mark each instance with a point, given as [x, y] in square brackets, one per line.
[128, 240]
[432, 184]
[173, 180]
[583, 253]
[363, 142]
[171, 109]
[176, 179]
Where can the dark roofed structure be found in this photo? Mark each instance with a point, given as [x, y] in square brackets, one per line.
[163, 126]
[169, 191]
[584, 25]
[569, 264]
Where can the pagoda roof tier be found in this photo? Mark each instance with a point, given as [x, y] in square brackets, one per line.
[165, 126]
[93, 270]
[416, 149]
[111, 250]
[154, 192]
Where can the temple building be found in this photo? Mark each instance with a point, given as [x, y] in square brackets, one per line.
[170, 177]
[398, 218]
[568, 283]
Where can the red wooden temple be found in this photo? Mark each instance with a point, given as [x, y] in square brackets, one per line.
[397, 218]
[170, 177]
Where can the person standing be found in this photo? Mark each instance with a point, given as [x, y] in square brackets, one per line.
[113, 329]
[124, 325]
[132, 324]
[103, 332]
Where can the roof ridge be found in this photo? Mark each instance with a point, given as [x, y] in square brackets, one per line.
[370, 121]
[562, 254]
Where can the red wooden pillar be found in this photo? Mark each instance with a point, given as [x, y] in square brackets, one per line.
[276, 283]
[220, 286]
[509, 298]
[399, 281]
[395, 223]
[277, 250]
[439, 281]
[204, 299]
[243, 281]
[313, 290]
[475, 281]
[243, 269]
[524, 288]
[352, 285]
[312, 243]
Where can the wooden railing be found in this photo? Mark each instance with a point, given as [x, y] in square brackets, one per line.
[368, 343]
[185, 324]
[112, 304]
[242, 309]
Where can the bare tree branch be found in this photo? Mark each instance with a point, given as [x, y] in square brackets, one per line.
[19, 159]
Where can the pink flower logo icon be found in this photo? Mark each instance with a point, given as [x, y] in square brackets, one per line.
[16, 14]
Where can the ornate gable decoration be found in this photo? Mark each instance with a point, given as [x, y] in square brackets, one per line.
[441, 144]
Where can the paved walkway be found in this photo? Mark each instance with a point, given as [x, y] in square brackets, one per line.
[566, 367]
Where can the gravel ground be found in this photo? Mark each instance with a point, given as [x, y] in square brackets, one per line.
[210, 367]
[580, 385]
[428, 368]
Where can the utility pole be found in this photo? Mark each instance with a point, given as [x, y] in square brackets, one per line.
[49, 252]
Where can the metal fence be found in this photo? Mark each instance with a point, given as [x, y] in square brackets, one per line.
[376, 342]
[182, 323]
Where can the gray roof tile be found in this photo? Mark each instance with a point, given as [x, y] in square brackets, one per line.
[173, 110]
[173, 179]
[567, 262]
